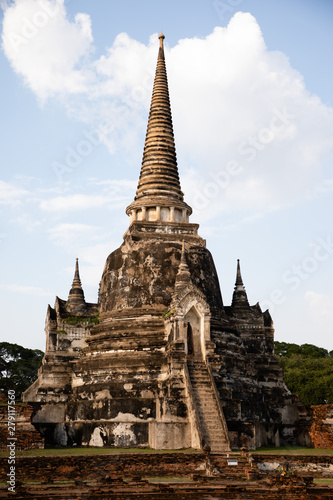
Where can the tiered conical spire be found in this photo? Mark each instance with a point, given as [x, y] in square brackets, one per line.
[77, 280]
[239, 298]
[76, 295]
[159, 183]
[159, 172]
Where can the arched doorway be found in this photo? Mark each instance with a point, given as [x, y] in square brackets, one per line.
[194, 341]
[189, 337]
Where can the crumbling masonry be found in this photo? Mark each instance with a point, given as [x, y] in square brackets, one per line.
[160, 361]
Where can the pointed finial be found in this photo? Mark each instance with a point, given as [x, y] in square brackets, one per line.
[161, 38]
[183, 275]
[76, 296]
[161, 48]
[76, 280]
[239, 298]
[239, 281]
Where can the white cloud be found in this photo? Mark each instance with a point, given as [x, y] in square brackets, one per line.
[45, 47]
[73, 202]
[29, 290]
[116, 185]
[109, 194]
[237, 107]
[27, 222]
[126, 70]
[74, 235]
[11, 194]
[249, 108]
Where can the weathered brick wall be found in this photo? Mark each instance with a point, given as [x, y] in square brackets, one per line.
[119, 476]
[27, 436]
[302, 459]
[321, 429]
[94, 467]
[316, 466]
[197, 491]
[315, 427]
[271, 487]
[98, 466]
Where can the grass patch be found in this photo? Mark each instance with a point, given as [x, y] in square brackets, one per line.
[168, 479]
[50, 452]
[323, 481]
[294, 450]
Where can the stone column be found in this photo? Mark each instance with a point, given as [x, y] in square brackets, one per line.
[133, 216]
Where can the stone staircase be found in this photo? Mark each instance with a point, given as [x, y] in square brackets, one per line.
[213, 426]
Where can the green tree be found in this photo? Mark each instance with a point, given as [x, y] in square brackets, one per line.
[284, 349]
[308, 371]
[18, 367]
[305, 350]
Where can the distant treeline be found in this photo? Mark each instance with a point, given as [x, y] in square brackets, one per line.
[18, 367]
[308, 371]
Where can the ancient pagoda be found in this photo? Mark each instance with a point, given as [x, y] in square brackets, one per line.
[160, 361]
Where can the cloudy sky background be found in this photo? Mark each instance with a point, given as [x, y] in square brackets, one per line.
[251, 94]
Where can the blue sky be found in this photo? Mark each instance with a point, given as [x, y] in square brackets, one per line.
[251, 95]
